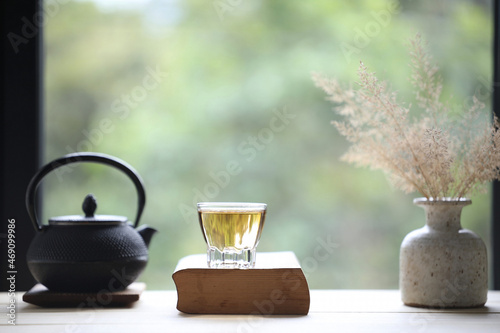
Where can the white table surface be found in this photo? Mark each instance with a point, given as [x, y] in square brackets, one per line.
[330, 311]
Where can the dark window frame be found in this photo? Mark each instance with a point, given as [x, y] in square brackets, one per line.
[21, 113]
[21, 103]
[495, 214]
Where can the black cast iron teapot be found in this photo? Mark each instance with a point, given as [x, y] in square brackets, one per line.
[89, 253]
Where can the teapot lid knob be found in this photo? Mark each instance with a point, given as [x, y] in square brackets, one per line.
[89, 205]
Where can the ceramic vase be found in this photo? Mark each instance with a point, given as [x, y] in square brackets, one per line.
[443, 265]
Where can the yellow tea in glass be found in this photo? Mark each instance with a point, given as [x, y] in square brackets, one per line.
[232, 231]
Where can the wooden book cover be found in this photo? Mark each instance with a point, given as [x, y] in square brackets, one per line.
[276, 286]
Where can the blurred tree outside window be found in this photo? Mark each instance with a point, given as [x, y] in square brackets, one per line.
[213, 100]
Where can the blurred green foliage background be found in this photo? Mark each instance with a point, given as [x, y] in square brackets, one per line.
[179, 89]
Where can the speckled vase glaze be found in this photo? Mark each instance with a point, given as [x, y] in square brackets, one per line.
[443, 265]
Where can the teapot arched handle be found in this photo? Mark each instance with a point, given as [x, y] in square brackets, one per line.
[84, 157]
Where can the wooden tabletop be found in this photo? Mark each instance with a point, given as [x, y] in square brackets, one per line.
[330, 311]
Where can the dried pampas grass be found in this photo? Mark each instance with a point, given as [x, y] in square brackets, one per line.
[434, 154]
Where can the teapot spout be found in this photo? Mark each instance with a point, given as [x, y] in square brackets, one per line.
[146, 233]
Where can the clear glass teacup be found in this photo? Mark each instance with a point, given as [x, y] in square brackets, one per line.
[232, 231]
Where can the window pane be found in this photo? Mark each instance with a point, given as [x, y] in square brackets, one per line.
[214, 101]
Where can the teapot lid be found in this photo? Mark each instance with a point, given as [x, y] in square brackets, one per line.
[89, 206]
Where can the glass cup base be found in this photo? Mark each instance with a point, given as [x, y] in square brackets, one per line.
[243, 259]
